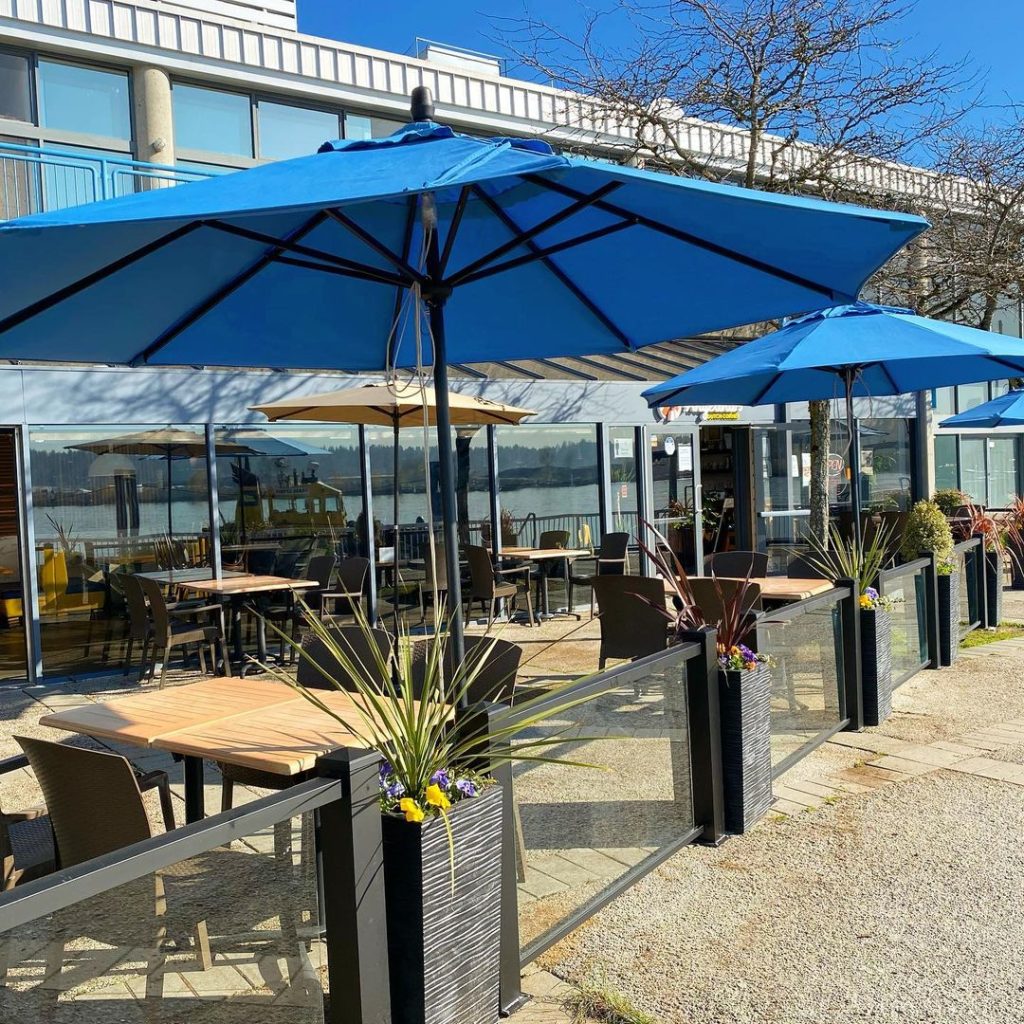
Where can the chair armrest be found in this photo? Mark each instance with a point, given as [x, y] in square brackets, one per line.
[194, 609]
[28, 814]
[511, 572]
[13, 763]
[159, 781]
[341, 593]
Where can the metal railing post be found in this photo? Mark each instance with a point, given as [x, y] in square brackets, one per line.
[705, 736]
[931, 585]
[355, 911]
[366, 491]
[981, 581]
[853, 683]
[478, 721]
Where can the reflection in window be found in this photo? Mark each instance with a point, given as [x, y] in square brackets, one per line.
[970, 395]
[107, 503]
[358, 126]
[87, 100]
[218, 122]
[287, 131]
[972, 468]
[1002, 472]
[15, 94]
[943, 402]
[945, 463]
[885, 464]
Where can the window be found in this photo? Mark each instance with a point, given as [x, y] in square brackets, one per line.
[358, 126]
[287, 131]
[217, 122]
[1002, 472]
[972, 468]
[970, 395]
[943, 402]
[85, 100]
[945, 462]
[15, 93]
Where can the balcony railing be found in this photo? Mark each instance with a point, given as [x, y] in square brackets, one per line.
[36, 179]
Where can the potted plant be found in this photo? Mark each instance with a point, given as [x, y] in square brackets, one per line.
[1000, 538]
[744, 689]
[509, 533]
[927, 530]
[950, 500]
[1015, 516]
[442, 817]
[680, 530]
[844, 559]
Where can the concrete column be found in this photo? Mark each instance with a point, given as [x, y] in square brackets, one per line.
[154, 124]
[925, 444]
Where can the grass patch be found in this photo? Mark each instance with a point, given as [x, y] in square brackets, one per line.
[598, 1002]
[980, 637]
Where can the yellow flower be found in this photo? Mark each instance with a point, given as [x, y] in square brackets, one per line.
[865, 601]
[436, 798]
[413, 811]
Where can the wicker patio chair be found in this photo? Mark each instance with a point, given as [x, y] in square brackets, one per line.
[630, 627]
[612, 560]
[26, 838]
[349, 595]
[493, 662]
[800, 567]
[486, 588]
[737, 564]
[287, 615]
[711, 596]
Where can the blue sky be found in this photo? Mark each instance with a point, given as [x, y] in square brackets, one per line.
[991, 33]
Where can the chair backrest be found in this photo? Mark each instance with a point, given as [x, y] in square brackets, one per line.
[92, 797]
[291, 561]
[630, 626]
[612, 554]
[712, 595]
[554, 539]
[485, 534]
[481, 571]
[157, 605]
[800, 567]
[321, 569]
[352, 574]
[738, 564]
[262, 561]
[317, 658]
[493, 663]
[138, 611]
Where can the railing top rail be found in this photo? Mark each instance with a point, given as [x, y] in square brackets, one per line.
[86, 158]
[63, 888]
[808, 604]
[612, 679]
[904, 569]
[966, 545]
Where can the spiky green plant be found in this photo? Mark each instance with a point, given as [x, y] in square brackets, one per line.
[844, 559]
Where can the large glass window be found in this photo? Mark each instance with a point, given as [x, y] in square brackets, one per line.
[945, 463]
[970, 395]
[358, 126]
[217, 122]
[622, 468]
[15, 90]
[110, 500]
[944, 402]
[84, 99]
[1002, 471]
[972, 468]
[287, 131]
[885, 464]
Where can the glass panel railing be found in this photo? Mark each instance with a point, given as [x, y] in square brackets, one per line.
[805, 643]
[583, 831]
[906, 586]
[229, 935]
[967, 556]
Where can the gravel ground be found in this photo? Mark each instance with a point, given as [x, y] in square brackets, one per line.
[903, 904]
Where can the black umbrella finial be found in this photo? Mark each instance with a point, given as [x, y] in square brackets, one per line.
[421, 104]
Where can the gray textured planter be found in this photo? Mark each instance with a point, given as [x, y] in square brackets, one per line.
[443, 950]
[993, 588]
[745, 700]
[949, 617]
[1016, 565]
[876, 664]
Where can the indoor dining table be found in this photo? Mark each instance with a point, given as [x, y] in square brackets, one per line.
[251, 723]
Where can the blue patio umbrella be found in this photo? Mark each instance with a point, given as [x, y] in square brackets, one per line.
[858, 350]
[516, 251]
[1005, 411]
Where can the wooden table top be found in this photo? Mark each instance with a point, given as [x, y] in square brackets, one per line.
[539, 554]
[780, 588]
[179, 577]
[253, 723]
[246, 584]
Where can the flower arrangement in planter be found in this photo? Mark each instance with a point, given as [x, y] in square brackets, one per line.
[1015, 516]
[744, 686]
[1002, 539]
[441, 814]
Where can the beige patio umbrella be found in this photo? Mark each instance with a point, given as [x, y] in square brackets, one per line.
[397, 404]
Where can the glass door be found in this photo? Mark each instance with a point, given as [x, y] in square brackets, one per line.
[676, 510]
[12, 608]
[782, 483]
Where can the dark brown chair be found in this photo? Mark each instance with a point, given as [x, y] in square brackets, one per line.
[26, 838]
[349, 593]
[169, 631]
[288, 615]
[631, 626]
[711, 595]
[486, 588]
[95, 804]
[800, 567]
[612, 560]
[737, 564]
[493, 663]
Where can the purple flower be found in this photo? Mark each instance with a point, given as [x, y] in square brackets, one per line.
[385, 771]
[465, 787]
[441, 778]
[872, 593]
[395, 790]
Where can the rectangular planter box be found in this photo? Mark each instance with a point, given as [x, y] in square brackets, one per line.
[949, 618]
[745, 700]
[444, 949]
[993, 589]
[876, 664]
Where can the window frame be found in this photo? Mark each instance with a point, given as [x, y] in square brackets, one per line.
[282, 100]
[209, 156]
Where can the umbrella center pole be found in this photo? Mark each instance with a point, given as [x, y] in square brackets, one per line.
[854, 434]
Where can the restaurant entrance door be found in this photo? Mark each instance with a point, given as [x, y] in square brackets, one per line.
[13, 661]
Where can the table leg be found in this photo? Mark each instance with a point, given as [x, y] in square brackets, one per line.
[236, 633]
[195, 796]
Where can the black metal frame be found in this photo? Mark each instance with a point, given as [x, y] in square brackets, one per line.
[972, 551]
[931, 617]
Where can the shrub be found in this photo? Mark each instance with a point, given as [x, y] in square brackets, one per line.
[927, 530]
[949, 500]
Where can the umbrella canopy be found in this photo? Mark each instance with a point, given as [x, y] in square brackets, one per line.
[857, 350]
[517, 251]
[391, 405]
[1005, 411]
[258, 442]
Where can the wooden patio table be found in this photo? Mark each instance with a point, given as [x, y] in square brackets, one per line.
[778, 589]
[252, 723]
[548, 554]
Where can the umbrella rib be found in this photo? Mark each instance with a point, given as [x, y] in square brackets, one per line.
[376, 276]
[453, 228]
[534, 248]
[410, 223]
[412, 275]
[551, 250]
[583, 202]
[82, 283]
[224, 291]
[685, 236]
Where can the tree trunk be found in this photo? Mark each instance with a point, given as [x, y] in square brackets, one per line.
[819, 412]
